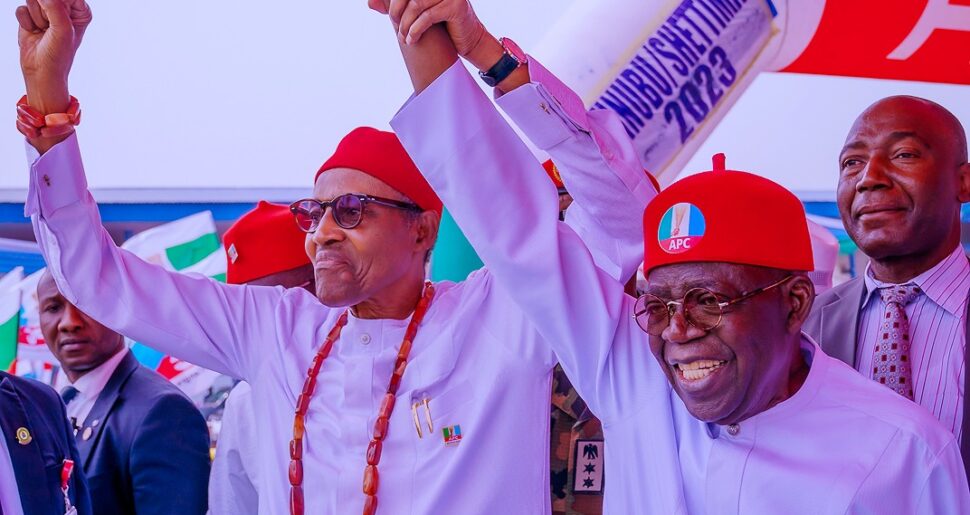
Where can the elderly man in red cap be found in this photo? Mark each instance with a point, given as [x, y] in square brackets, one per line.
[712, 399]
[264, 247]
[382, 391]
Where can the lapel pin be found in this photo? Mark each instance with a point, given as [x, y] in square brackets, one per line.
[23, 436]
[87, 433]
[452, 434]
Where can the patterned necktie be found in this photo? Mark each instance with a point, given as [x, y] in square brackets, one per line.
[891, 365]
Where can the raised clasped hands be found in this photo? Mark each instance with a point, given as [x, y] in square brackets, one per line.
[412, 18]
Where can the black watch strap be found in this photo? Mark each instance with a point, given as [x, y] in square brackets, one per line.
[500, 71]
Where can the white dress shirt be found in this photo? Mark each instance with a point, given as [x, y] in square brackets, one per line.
[89, 387]
[234, 476]
[938, 336]
[841, 444]
[475, 359]
[9, 493]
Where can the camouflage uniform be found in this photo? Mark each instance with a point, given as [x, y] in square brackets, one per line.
[571, 421]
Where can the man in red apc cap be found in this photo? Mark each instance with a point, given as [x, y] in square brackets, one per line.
[264, 247]
[711, 397]
[382, 392]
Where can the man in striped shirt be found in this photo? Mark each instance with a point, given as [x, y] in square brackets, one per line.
[903, 177]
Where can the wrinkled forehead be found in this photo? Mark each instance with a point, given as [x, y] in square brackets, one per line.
[339, 181]
[673, 281]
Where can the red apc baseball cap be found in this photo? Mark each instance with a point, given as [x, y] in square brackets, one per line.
[726, 216]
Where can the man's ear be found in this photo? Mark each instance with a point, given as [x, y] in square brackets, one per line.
[426, 227]
[964, 174]
[801, 295]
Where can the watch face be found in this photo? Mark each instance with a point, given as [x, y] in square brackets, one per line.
[513, 49]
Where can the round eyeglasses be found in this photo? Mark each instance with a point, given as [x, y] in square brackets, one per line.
[702, 308]
[347, 210]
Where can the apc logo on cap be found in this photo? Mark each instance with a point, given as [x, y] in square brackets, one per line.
[681, 228]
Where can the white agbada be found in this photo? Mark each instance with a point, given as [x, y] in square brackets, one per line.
[841, 444]
[477, 361]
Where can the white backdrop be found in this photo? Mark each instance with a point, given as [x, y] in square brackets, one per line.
[221, 94]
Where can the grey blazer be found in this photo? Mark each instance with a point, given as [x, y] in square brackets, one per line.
[834, 324]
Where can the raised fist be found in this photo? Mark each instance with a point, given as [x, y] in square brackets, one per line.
[49, 35]
[380, 6]
[414, 17]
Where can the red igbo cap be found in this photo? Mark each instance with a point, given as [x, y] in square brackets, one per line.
[381, 155]
[553, 174]
[726, 216]
[263, 241]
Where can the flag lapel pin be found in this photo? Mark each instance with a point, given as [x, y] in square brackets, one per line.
[452, 434]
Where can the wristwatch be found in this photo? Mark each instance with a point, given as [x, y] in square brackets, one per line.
[512, 58]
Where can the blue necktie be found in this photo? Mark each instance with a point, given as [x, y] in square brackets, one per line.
[68, 394]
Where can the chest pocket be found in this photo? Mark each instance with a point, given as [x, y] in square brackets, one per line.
[432, 411]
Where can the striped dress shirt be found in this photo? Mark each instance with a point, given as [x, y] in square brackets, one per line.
[937, 325]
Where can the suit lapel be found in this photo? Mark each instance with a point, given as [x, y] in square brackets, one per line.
[840, 322]
[28, 459]
[90, 434]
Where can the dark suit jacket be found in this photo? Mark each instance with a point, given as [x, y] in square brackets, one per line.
[144, 446]
[37, 463]
[834, 324]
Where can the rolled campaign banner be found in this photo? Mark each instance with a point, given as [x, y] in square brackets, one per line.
[671, 69]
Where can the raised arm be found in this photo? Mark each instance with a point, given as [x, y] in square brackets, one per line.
[507, 209]
[192, 318]
[597, 160]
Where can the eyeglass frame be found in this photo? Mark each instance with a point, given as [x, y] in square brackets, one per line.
[671, 305]
[362, 198]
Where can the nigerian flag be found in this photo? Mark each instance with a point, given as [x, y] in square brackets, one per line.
[188, 244]
[9, 315]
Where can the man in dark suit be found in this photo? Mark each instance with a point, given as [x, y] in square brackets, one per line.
[903, 322]
[143, 445]
[36, 449]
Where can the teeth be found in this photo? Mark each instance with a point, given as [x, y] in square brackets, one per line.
[699, 369]
[703, 363]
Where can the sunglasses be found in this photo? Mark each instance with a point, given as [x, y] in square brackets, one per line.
[347, 210]
[702, 308]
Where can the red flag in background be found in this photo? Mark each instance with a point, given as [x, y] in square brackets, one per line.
[917, 40]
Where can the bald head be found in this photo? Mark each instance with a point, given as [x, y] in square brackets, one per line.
[937, 122]
[903, 175]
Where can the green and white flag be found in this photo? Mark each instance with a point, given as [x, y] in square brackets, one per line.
[9, 316]
[179, 245]
[187, 245]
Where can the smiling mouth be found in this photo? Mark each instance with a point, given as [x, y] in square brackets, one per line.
[868, 212]
[698, 370]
